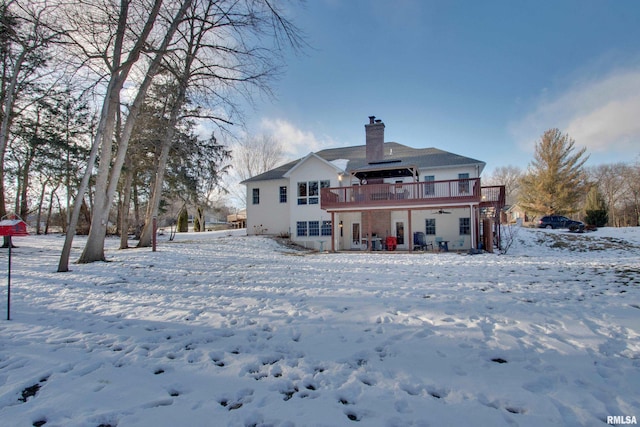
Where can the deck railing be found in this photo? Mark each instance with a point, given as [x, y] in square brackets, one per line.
[493, 195]
[427, 193]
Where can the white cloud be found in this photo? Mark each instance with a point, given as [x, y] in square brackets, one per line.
[600, 114]
[296, 142]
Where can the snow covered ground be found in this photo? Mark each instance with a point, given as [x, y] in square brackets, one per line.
[216, 329]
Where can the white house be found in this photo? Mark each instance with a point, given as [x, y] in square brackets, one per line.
[375, 196]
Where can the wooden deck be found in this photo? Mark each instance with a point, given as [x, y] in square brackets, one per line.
[416, 194]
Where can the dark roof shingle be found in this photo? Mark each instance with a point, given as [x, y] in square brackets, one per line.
[423, 158]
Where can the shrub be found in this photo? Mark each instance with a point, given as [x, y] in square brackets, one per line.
[595, 208]
[183, 221]
[597, 218]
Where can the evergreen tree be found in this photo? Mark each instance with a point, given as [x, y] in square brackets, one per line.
[183, 221]
[596, 208]
[554, 182]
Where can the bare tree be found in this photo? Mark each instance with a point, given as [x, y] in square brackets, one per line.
[26, 34]
[257, 154]
[120, 57]
[632, 194]
[251, 157]
[610, 179]
[510, 177]
[207, 70]
[145, 29]
[109, 170]
[102, 34]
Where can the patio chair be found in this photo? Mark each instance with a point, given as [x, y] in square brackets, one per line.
[443, 245]
[420, 241]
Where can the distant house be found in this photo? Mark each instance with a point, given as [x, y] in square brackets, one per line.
[516, 214]
[354, 198]
[238, 219]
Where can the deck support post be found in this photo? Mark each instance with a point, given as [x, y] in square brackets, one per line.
[473, 219]
[369, 236]
[410, 236]
[333, 231]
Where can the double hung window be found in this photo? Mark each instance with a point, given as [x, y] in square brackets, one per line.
[465, 226]
[430, 227]
[314, 228]
[301, 228]
[326, 228]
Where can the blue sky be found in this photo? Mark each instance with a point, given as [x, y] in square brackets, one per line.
[483, 79]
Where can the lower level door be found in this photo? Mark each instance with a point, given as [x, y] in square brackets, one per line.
[399, 233]
[355, 236]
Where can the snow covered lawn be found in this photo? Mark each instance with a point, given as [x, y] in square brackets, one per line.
[224, 330]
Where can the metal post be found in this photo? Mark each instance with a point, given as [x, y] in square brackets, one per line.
[9, 283]
[155, 231]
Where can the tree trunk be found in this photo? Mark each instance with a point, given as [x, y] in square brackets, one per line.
[16, 205]
[94, 249]
[167, 141]
[156, 191]
[50, 211]
[108, 172]
[200, 216]
[40, 205]
[3, 210]
[136, 208]
[24, 190]
[7, 116]
[124, 207]
[63, 264]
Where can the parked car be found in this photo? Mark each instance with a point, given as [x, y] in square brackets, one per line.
[559, 221]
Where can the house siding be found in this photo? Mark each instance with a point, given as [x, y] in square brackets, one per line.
[269, 216]
[312, 169]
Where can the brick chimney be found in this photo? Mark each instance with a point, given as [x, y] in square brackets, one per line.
[374, 132]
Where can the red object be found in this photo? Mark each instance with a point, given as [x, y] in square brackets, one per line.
[392, 243]
[13, 227]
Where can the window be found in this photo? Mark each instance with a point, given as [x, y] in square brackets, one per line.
[302, 193]
[463, 185]
[465, 226]
[430, 186]
[283, 194]
[430, 227]
[326, 228]
[314, 192]
[309, 192]
[301, 228]
[314, 228]
[256, 196]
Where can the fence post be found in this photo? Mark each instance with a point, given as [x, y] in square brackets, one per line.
[9, 282]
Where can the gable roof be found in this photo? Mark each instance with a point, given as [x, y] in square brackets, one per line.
[310, 156]
[422, 158]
